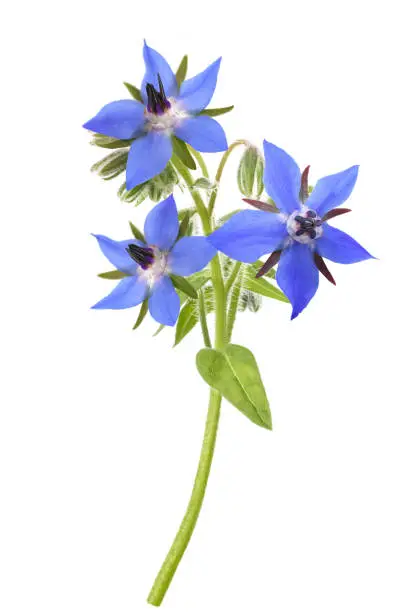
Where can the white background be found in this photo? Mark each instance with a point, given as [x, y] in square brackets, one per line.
[101, 427]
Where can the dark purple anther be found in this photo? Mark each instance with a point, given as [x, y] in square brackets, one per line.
[143, 256]
[157, 100]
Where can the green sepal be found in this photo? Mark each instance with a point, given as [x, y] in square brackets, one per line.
[184, 226]
[134, 91]
[250, 173]
[215, 112]
[136, 196]
[142, 314]
[184, 285]
[264, 288]
[138, 234]
[107, 142]
[235, 374]
[113, 275]
[181, 72]
[111, 166]
[197, 280]
[181, 150]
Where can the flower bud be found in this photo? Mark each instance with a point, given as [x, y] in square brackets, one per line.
[250, 173]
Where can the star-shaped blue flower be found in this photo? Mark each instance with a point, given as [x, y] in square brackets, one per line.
[166, 111]
[296, 232]
[148, 265]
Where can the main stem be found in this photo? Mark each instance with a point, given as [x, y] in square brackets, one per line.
[189, 521]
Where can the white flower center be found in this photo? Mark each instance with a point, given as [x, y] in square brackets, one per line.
[157, 269]
[304, 225]
[168, 120]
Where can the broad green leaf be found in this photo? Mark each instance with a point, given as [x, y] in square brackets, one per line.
[184, 285]
[136, 232]
[113, 275]
[107, 142]
[235, 374]
[182, 71]
[181, 150]
[263, 287]
[258, 264]
[214, 112]
[142, 313]
[134, 91]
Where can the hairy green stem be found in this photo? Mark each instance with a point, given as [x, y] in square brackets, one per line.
[202, 318]
[186, 529]
[187, 526]
[233, 304]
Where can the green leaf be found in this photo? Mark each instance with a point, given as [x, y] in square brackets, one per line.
[107, 142]
[142, 314]
[204, 183]
[214, 112]
[263, 287]
[136, 232]
[189, 314]
[258, 264]
[235, 374]
[184, 285]
[181, 150]
[137, 195]
[113, 275]
[134, 91]
[188, 319]
[182, 71]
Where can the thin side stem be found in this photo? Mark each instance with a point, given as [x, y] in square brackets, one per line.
[202, 318]
[219, 172]
[197, 155]
[187, 526]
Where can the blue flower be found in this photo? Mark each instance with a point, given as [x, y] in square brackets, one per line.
[148, 265]
[166, 110]
[295, 233]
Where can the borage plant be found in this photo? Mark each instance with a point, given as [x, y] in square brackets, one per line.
[180, 277]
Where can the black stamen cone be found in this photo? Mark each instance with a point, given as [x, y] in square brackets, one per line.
[157, 100]
[144, 256]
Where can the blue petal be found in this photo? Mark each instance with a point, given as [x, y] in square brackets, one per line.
[164, 302]
[203, 134]
[162, 224]
[122, 119]
[148, 156]
[190, 255]
[282, 178]
[129, 292]
[298, 276]
[332, 191]
[115, 252]
[156, 64]
[250, 234]
[339, 247]
[196, 93]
